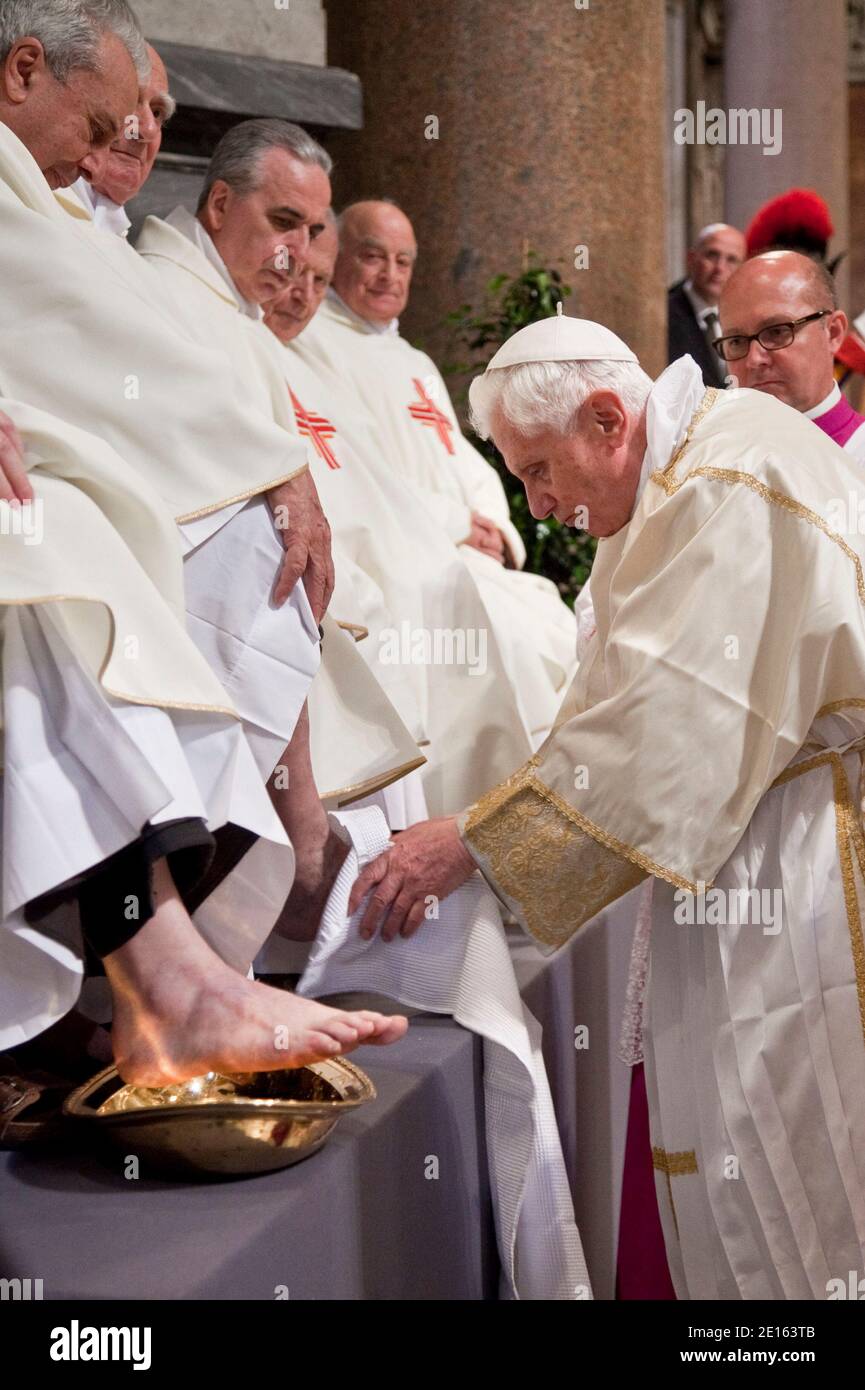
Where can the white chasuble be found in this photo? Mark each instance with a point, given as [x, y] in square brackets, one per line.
[423, 444]
[713, 738]
[440, 637]
[113, 719]
[359, 742]
[89, 336]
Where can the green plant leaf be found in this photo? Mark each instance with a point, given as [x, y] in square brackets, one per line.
[512, 301]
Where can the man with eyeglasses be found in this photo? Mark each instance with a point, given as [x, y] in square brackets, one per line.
[781, 328]
[692, 304]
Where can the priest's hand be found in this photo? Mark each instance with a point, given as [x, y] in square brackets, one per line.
[302, 524]
[486, 537]
[427, 860]
[14, 483]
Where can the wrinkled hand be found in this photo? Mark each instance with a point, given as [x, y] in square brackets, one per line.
[14, 483]
[486, 537]
[429, 859]
[305, 534]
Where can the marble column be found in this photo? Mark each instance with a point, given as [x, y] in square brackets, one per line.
[504, 125]
[791, 56]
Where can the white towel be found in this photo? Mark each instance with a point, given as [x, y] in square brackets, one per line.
[459, 964]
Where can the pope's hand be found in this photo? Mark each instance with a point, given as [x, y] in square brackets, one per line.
[14, 483]
[486, 537]
[427, 860]
[305, 536]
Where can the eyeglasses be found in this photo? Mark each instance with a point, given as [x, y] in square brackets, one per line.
[772, 337]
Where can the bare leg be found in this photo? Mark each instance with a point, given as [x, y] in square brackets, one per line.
[319, 852]
[179, 1010]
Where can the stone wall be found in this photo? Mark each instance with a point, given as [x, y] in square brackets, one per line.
[292, 30]
[547, 131]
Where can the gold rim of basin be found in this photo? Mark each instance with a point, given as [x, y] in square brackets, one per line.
[354, 1088]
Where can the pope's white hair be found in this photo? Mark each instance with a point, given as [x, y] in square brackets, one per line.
[537, 396]
[70, 32]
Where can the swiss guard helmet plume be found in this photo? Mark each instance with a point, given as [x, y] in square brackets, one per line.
[798, 220]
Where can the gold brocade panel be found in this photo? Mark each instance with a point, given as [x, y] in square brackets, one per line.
[555, 874]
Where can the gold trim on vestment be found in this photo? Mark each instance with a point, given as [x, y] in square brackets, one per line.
[156, 701]
[625, 851]
[674, 1165]
[854, 702]
[241, 496]
[709, 399]
[345, 795]
[848, 829]
[555, 865]
[848, 824]
[355, 630]
[769, 494]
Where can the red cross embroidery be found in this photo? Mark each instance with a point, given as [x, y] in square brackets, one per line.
[428, 413]
[316, 428]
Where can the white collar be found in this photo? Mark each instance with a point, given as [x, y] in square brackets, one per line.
[673, 399]
[702, 308]
[183, 221]
[358, 320]
[107, 215]
[831, 400]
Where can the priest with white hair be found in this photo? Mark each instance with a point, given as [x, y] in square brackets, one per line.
[115, 174]
[355, 339]
[713, 739]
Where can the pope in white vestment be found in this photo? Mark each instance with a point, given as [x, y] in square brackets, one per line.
[714, 739]
[739, 720]
[423, 444]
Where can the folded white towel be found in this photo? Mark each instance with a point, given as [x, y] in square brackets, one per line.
[459, 964]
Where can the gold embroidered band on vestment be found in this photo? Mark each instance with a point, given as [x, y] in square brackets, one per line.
[849, 840]
[674, 1165]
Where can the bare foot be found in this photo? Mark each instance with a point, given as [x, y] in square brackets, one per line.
[235, 1025]
[180, 1011]
[317, 868]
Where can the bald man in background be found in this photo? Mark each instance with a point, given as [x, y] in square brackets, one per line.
[790, 301]
[692, 303]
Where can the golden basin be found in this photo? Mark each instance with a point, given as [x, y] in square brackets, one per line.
[215, 1124]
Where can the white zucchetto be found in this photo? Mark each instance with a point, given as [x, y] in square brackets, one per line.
[562, 339]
